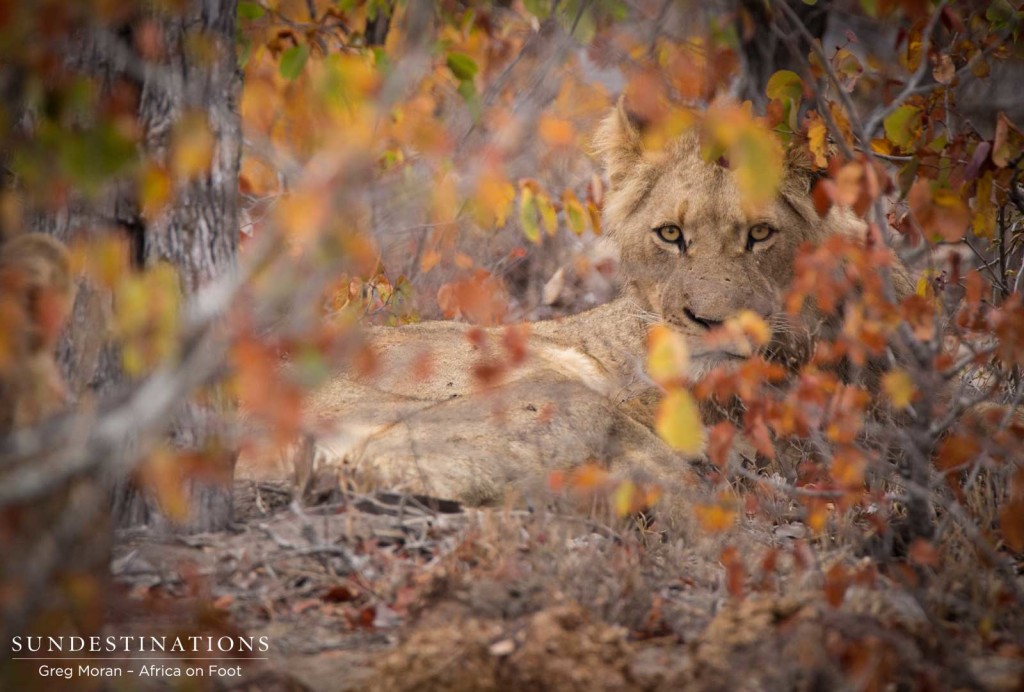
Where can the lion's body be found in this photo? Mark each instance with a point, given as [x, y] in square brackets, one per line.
[456, 412]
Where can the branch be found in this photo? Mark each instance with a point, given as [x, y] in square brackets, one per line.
[912, 85]
[858, 128]
[38, 460]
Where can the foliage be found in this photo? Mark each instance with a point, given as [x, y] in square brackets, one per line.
[405, 161]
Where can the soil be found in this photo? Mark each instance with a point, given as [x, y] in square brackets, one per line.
[389, 592]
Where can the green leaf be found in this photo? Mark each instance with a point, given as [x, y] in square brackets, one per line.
[293, 60]
[467, 90]
[1000, 12]
[541, 9]
[574, 215]
[528, 215]
[577, 21]
[903, 125]
[244, 50]
[250, 10]
[462, 66]
[785, 85]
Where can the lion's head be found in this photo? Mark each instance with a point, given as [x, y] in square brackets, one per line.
[689, 252]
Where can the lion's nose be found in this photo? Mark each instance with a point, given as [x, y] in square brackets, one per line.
[702, 321]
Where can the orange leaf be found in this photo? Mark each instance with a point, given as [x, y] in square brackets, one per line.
[555, 132]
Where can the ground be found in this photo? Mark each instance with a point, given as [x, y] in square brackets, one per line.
[386, 592]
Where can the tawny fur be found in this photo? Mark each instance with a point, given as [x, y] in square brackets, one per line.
[581, 393]
[36, 293]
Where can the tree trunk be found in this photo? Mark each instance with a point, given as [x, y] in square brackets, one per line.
[199, 233]
[178, 64]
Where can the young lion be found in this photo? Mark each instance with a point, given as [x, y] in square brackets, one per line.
[691, 258]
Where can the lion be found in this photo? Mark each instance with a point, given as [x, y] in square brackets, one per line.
[489, 411]
[36, 295]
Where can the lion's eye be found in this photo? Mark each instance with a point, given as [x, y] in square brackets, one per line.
[758, 234]
[670, 234]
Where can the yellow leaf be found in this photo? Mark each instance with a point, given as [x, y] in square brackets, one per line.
[668, 357]
[899, 387]
[192, 146]
[493, 199]
[154, 189]
[817, 133]
[750, 326]
[679, 424]
[547, 213]
[758, 168]
[625, 499]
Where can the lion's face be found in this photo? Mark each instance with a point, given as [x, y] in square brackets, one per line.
[691, 254]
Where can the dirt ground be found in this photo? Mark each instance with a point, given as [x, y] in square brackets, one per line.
[390, 592]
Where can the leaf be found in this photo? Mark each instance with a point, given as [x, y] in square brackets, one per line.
[1001, 149]
[627, 499]
[547, 213]
[462, 66]
[467, 90]
[943, 71]
[556, 132]
[837, 581]
[1011, 521]
[553, 288]
[817, 136]
[785, 85]
[429, 260]
[679, 424]
[717, 517]
[903, 126]
[758, 167]
[735, 571]
[668, 357]
[575, 217]
[292, 61]
[528, 215]
[192, 146]
[720, 443]
[847, 66]
[595, 218]
[752, 326]
[250, 10]
[941, 213]
[493, 200]
[541, 9]
[983, 218]
[899, 387]
[155, 189]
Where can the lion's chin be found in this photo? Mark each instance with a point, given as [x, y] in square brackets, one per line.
[702, 363]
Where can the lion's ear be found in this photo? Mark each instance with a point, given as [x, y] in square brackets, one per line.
[798, 171]
[617, 143]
